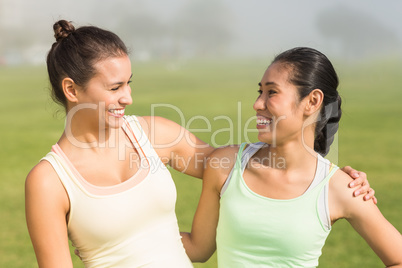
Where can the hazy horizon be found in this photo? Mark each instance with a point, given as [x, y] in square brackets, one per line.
[232, 28]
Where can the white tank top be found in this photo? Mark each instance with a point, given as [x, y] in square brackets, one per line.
[127, 225]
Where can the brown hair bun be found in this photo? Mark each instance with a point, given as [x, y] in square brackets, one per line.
[62, 29]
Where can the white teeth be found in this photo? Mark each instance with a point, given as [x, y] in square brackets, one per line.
[264, 121]
[117, 112]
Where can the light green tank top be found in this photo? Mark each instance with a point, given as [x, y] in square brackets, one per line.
[256, 231]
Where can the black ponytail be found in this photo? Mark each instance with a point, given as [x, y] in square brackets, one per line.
[327, 126]
[309, 69]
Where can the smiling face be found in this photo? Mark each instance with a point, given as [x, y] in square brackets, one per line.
[280, 114]
[105, 96]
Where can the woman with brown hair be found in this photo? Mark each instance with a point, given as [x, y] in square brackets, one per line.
[105, 185]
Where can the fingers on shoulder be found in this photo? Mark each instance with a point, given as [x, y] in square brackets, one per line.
[339, 186]
[343, 196]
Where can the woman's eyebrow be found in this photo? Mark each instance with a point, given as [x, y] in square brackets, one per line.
[268, 84]
[121, 83]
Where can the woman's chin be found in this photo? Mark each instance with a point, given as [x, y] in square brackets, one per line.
[115, 122]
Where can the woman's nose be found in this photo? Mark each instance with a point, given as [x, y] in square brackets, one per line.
[126, 98]
[260, 103]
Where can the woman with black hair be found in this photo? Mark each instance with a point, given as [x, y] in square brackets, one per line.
[105, 185]
[272, 203]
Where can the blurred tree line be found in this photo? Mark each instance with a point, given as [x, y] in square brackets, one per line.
[177, 29]
[355, 34]
[198, 28]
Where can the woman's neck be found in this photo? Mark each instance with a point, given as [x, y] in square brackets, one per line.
[85, 135]
[294, 154]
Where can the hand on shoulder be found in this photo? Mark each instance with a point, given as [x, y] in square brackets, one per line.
[366, 219]
[342, 201]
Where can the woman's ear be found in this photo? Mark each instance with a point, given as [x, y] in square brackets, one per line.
[69, 89]
[314, 101]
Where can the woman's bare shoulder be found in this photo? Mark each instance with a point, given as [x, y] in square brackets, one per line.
[42, 173]
[43, 181]
[342, 201]
[220, 162]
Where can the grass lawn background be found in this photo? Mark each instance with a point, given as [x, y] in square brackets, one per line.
[369, 137]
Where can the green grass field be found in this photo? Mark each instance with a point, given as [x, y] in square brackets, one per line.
[369, 137]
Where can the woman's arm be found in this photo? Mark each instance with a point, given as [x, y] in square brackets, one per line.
[200, 243]
[367, 220]
[186, 153]
[46, 206]
[176, 146]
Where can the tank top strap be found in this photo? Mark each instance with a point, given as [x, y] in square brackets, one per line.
[70, 176]
[66, 177]
[248, 152]
[139, 138]
[322, 189]
[243, 156]
[332, 169]
[239, 157]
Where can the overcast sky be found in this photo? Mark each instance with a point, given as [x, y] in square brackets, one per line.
[257, 26]
[290, 23]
